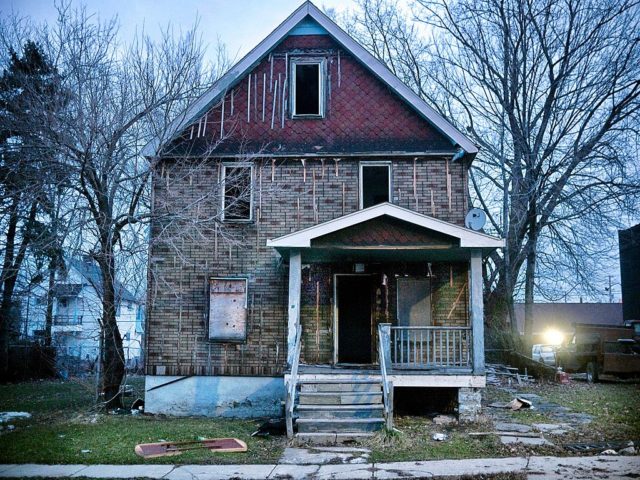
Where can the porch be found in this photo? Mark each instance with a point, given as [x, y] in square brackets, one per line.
[423, 338]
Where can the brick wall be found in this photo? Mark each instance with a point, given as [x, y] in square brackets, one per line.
[189, 244]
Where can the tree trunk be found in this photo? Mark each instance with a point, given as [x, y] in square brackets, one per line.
[529, 281]
[48, 319]
[112, 355]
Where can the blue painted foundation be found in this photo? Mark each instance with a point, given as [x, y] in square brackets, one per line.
[240, 397]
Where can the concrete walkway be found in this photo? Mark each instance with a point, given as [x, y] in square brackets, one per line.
[536, 468]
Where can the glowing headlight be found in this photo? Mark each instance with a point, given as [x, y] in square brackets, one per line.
[553, 337]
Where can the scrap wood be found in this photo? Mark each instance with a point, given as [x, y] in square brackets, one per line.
[164, 449]
[515, 404]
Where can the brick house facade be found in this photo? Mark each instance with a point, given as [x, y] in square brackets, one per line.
[307, 181]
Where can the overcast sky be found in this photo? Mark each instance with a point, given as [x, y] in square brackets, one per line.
[240, 24]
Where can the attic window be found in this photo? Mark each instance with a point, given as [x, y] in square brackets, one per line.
[307, 89]
[237, 198]
[375, 183]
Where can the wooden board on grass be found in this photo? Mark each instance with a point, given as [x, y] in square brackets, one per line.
[165, 449]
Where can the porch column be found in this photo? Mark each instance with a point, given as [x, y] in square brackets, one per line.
[295, 279]
[477, 311]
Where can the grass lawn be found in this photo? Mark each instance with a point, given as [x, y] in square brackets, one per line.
[64, 424]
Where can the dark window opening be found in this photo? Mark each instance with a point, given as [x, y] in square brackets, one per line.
[375, 185]
[237, 193]
[307, 89]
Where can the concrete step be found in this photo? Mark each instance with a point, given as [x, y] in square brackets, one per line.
[328, 438]
[339, 425]
[338, 398]
[340, 411]
[372, 387]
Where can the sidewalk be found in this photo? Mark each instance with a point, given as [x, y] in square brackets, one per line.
[537, 468]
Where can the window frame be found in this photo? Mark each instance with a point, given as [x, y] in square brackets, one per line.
[322, 70]
[246, 307]
[225, 166]
[374, 163]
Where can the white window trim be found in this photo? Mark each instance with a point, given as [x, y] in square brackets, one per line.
[385, 163]
[322, 62]
[224, 189]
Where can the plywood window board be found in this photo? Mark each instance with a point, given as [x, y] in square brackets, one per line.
[227, 309]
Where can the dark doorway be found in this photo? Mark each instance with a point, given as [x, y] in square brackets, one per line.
[354, 318]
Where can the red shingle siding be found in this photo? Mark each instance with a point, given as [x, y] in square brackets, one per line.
[362, 113]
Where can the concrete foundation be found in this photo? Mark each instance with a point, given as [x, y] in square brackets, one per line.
[242, 397]
[469, 404]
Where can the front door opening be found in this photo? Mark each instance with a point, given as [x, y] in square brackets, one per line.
[354, 318]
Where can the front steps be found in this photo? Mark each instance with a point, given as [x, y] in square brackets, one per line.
[338, 410]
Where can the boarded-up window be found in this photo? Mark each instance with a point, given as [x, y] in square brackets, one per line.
[414, 302]
[228, 309]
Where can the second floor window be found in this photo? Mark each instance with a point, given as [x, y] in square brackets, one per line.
[375, 183]
[237, 196]
[307, 88]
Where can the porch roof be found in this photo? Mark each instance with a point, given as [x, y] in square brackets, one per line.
[450, 242]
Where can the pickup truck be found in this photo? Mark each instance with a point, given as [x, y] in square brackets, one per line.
[602, 349]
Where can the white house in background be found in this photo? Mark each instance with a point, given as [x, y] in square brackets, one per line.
[77, 309]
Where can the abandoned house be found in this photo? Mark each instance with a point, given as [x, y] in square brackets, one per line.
[309, 252]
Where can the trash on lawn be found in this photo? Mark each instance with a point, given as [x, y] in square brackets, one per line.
[609, 451]
[11, 427]
[597, 446]
[85, 451]
[627, 451]
[164, 449]
[517, 403]
[8, 416]
[439, 437]
[138, 404]
[273, 426]
[444, 420]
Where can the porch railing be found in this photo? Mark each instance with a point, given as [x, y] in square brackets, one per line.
[293, 383]
[431, 347]
[67, 319]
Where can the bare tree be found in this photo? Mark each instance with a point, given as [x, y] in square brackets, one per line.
[118, 98]
[550, 91]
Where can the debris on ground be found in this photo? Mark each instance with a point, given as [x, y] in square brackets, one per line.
[138, 404]
[500, 374]
[517, 403]
[8, 416]
[444, 420]
[512, 427]
[601, 447]
[165, 449]
[273, 426]
[552, 428]
[85, 451]
[609, 451]
[439, 437]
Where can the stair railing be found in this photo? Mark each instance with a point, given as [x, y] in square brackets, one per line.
[384, 354]
[293, 383]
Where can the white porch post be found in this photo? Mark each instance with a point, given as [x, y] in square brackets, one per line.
[477, 311]
[295, 279]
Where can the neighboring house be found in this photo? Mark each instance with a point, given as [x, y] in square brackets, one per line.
[560, 317]
[629, 242]
[353, 243]
[77, 308]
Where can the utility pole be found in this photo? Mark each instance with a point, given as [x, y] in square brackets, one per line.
[610, 291]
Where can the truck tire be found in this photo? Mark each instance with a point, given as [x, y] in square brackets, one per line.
[592, 372]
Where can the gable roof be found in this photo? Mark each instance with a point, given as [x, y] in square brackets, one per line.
[300, 19]
[88, 269]
[468, 238]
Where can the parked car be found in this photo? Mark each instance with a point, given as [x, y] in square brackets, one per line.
[602, 349]
[544, 353]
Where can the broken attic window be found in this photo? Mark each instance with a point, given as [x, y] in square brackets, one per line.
[228, 309]
[307, 91]
[374, 184]
[237, 193]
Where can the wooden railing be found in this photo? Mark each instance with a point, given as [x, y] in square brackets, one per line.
[290, 400]
[384, 355]
[431, 347]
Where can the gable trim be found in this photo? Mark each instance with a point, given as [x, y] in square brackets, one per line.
[468, 238]
[251, 59]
